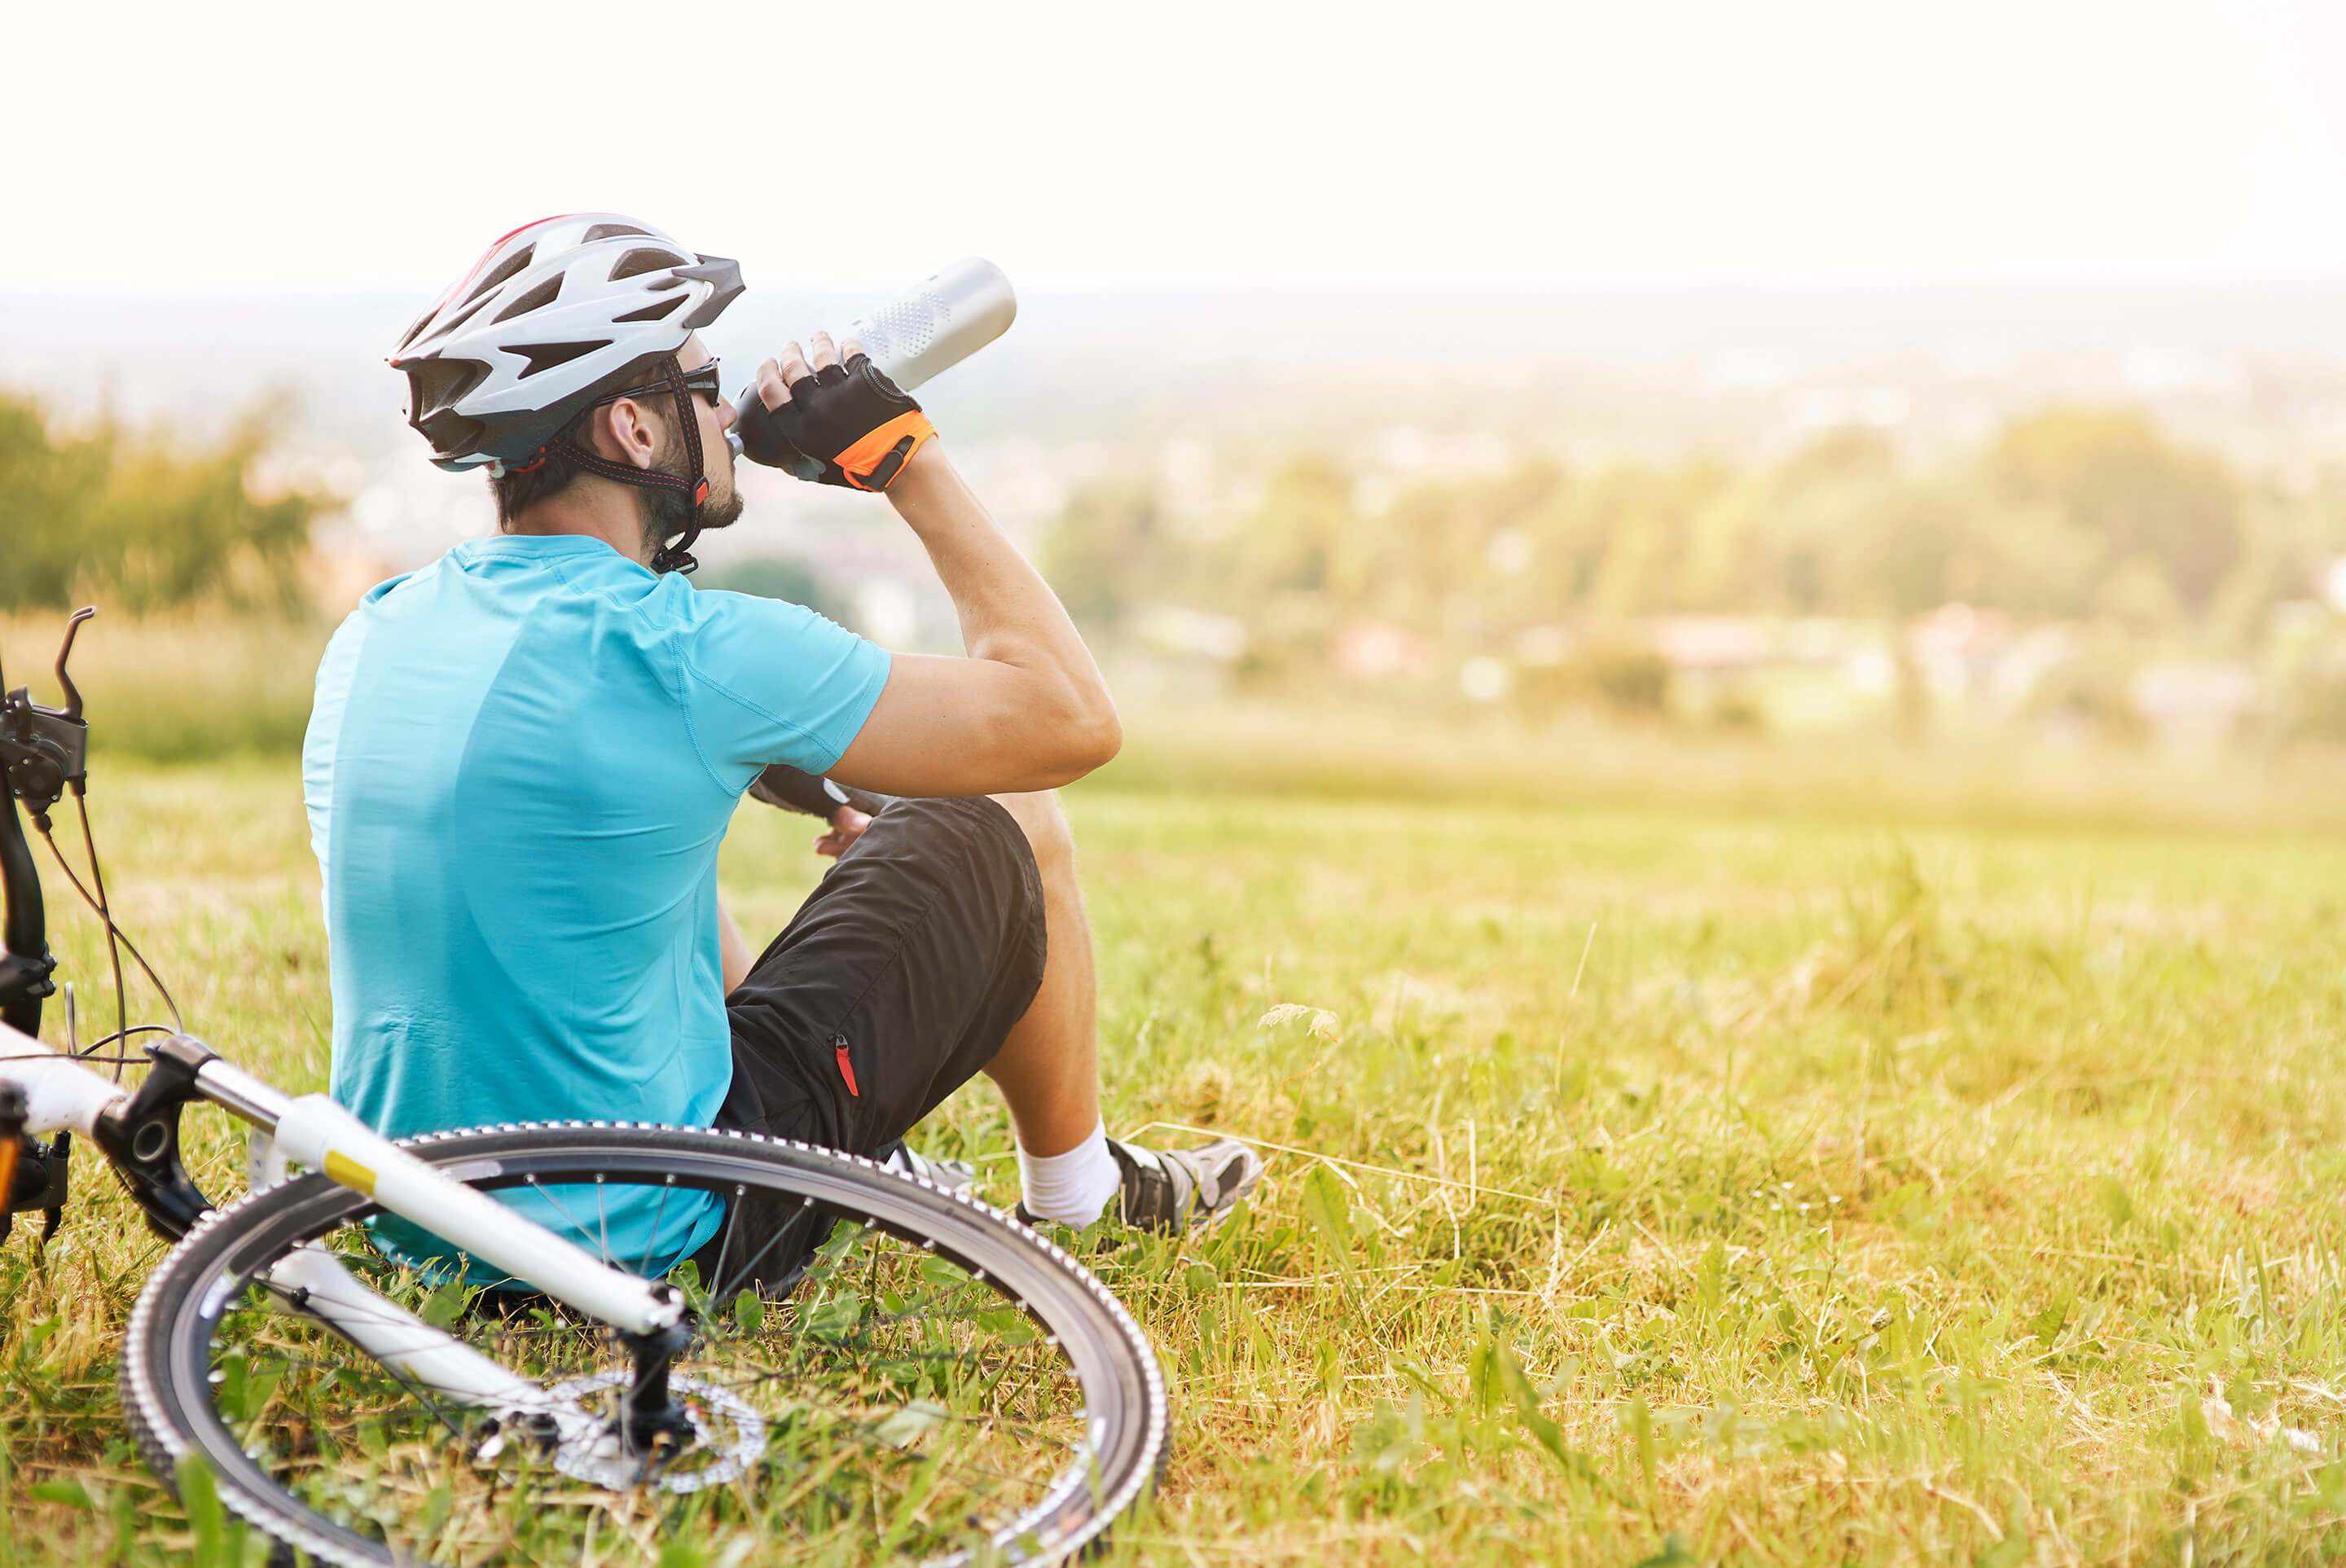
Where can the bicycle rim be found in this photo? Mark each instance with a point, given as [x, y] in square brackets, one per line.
[940, 1384]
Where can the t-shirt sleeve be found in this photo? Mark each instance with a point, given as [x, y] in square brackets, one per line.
[768, 681]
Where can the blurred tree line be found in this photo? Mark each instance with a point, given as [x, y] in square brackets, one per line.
[2086, 515]
[139, 524]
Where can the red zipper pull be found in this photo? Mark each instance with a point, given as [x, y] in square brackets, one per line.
[846, 1067]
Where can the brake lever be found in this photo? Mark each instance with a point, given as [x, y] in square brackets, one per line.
[45, 750]
[65, 651]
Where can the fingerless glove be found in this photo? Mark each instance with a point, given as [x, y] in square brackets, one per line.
[844, 424]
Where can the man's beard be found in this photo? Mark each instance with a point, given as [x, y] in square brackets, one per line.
[668, 513]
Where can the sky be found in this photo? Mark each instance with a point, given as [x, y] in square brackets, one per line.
[260, 147]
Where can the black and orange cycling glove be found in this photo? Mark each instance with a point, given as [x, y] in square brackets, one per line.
[845, 424]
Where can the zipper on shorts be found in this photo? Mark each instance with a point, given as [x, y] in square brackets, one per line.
[846, 1067]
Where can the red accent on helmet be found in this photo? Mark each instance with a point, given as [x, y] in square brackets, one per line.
[523, 229]
[497, 244]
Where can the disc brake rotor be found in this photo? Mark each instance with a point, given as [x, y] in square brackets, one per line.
[727, 1438]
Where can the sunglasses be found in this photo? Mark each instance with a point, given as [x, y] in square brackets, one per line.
[702, 380]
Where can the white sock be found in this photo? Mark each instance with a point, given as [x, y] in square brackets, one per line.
[1072, 1188]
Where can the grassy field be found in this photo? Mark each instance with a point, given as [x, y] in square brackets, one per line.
[1649, 1183]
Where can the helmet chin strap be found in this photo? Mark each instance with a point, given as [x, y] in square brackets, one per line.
[676, 558]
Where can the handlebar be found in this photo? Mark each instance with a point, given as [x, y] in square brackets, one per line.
[44, 751]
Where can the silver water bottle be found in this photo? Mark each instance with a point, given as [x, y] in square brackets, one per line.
[953, 314]
[955, 311]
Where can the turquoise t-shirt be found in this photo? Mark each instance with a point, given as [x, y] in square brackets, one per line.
[519, 766]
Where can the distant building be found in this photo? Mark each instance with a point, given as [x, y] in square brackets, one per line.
[1372, 650]
[2195, 705]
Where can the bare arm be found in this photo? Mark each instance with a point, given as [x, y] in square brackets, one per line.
[1027, 710]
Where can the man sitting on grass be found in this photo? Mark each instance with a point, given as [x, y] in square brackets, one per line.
[524, 757]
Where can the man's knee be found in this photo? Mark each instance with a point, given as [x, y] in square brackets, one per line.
[1038, 816]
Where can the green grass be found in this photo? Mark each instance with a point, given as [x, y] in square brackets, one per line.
[1665, 1183]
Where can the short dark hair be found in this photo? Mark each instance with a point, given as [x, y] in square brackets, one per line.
[517, 492]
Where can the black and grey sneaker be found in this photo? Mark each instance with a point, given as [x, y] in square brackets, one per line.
[1175, 1190]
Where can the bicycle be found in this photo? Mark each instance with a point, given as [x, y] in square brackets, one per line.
[380, 1358]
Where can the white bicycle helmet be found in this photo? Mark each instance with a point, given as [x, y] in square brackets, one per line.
[551, 312]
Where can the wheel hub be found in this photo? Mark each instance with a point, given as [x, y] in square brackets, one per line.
[726, 1438]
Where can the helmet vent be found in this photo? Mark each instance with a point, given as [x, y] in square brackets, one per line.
[449, 327]
[545, 356]
[435, 384]
[645, 260]
[513, 264]
[658, 311]
[543, 294]
[612, 231]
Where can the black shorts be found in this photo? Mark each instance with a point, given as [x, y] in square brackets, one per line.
[894, 984]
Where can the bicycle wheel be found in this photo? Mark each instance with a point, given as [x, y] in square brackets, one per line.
[939, 1382]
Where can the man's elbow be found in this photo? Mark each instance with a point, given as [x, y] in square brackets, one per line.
[1088, 738]
[1104, 737]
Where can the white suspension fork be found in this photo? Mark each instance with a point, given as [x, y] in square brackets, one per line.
[314, 1281]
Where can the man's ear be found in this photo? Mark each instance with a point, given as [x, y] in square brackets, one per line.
[624, 431]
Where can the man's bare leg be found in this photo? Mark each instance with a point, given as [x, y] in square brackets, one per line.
[1047, 1069]
[1049, 1066]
